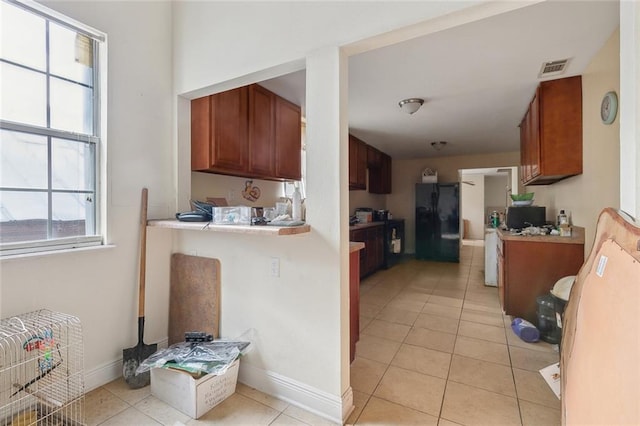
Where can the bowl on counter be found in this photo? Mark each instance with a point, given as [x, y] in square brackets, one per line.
[519, 200]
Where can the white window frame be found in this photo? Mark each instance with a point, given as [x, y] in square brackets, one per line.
[99, 40]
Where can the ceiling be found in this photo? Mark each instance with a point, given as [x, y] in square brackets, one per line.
[476, 79]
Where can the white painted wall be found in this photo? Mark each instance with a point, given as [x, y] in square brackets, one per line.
[99, 285]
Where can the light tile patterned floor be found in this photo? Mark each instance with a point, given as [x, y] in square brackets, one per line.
[434, 349]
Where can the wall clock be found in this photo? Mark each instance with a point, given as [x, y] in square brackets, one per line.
[609, 107]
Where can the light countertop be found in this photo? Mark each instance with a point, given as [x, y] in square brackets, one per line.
[239, 229]
[577, 237]
[355, 246]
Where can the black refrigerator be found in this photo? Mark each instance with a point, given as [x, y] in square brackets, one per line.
[438, 221]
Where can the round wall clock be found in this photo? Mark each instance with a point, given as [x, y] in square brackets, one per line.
[609, 107]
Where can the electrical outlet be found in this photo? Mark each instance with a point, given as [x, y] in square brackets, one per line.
[275, 267]
[231, 196]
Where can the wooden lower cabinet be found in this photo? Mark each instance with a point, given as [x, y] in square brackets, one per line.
[372, 256]
[354, 302]
[528, 269]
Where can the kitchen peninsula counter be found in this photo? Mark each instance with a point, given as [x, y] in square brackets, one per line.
[529, 266]
[238, 229]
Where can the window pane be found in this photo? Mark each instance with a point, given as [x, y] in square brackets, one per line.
[72, 164]
[71, 54]
[22, 37]
[71, 214]
[23, 160]
[24, 95]
[23, 216]
[71, 107]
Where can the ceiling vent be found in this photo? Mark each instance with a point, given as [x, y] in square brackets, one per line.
[553, 68]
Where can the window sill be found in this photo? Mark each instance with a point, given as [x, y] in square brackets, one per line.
[23, 256]
[238, 229]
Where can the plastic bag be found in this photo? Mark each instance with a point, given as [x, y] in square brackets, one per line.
[207, 357]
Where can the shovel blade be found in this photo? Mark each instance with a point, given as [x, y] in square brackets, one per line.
[131, 359]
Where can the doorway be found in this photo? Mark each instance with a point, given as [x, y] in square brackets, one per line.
[483, 191]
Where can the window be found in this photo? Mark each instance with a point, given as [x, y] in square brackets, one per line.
[50, 130]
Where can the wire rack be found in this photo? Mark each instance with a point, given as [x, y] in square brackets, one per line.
[41, 370]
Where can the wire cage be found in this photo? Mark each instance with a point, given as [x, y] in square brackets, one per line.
[41, 370]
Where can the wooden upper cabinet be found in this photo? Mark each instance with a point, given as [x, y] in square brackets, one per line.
[288, 139]
[219, 132]
[261, 131]
[552, 143]
[357, 163]
[374, 157]
[248, 132]
[380, 177]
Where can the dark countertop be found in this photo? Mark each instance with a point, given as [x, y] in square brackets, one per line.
[365, 225]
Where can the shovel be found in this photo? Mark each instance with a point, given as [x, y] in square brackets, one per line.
[132, 357]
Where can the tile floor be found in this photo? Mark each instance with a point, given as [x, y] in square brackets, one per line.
[434, 349]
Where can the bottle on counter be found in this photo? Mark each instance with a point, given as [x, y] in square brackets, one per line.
[562, 218]
[296, 203]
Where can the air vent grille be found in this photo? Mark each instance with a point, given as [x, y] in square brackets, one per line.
[553, 68]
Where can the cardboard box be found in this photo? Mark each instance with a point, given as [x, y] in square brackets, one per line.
[193, 397]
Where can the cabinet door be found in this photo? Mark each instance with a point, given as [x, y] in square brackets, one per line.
[353, 162]
[501, 287]
[524, 144]
[360, 235]
[229, 130]
[374, 157]
[386, 174]
[362, 165]
[288, 139]
[357, 163]
[534, 136]
[261, 131]
[201, 133]
[379, 247]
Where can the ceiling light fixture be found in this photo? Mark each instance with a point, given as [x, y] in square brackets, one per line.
[411, 105]
[438, 145]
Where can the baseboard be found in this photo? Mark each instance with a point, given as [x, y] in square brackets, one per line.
[316, 401]
[109, 371]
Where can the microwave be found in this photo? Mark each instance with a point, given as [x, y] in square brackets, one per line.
[523, 216]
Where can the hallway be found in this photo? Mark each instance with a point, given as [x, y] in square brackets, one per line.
[435, 349]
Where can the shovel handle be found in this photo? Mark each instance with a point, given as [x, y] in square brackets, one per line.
[143, 252]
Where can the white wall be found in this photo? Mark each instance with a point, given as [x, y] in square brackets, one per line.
[99, 285]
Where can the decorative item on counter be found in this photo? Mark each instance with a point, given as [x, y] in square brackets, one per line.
[495, 219]
[565, 230]
[250, 192]
[282, 208]
[563, 219]
[522, 199]
[296, 203]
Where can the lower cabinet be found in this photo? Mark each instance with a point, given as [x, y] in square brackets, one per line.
[354, 302]
[528, 269]
[372, 256]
